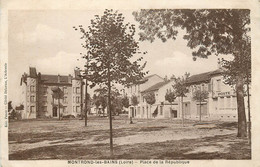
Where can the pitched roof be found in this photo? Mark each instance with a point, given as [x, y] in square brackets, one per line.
[144, 79]
[156, 86]
[203, 77]
[54, 79]
[149, 76]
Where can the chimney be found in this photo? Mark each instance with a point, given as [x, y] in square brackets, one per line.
[58, 78]
[69, 78]
[39, 75]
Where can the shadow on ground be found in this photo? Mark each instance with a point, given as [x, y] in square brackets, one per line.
[216, 147]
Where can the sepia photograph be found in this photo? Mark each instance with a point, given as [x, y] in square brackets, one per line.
[169, 84]
[129, 83]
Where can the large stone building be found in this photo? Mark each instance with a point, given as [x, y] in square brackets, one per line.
[39, 98]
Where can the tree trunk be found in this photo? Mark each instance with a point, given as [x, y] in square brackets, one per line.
[249, 114]
[86, 102]
[182, 112]
[110, 114]
[242, 127]
[248, 105]
[59, 101]
[200, 110]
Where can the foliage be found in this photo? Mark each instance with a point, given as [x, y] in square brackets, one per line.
[134, 100]
[20, 107]
[10, 107]
[110, 44]
[125, 101]
[222, 31]
[200, 95]
[96, 101]
[57, 93]
[180, 86]
[170, 96]
[150, 98]
[208, 31]
[100, 98]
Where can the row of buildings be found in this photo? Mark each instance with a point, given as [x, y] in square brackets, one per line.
[220, 104]
[39, 90]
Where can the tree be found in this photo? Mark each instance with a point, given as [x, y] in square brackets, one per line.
[200, 96]
[150, 99]
[110, 44]
[170, 96]
[208, 31]
[135, 102]
[181, 89]
[10, 106]
[96, 101]
[87, 109]
[57, 93]
[125, 101]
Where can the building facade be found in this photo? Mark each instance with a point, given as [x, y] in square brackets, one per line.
[221, 102]
[40, 97]
[161, 108]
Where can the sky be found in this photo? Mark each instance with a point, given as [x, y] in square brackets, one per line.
[45, 39]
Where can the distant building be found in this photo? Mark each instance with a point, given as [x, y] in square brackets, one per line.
[161, 108]
[38, 94]
[221, 102]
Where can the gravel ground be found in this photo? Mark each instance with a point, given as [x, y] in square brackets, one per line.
[68, 139]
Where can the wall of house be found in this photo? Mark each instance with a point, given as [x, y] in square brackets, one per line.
[31, 92]
[221, 104]
[144, 110]
[23, 91]
[136, 90]
[76, 97]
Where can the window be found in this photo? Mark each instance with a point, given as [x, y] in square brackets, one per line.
[77, 90]
[221, 102]
[234, 103]
[32, 109]
[44, 90]
[74, 90]
[73, 99]
[44, 98]
[161, 110]
[77, 99]
[44, 108]
[65, 90]
[78, 109]
[74, 109]
[65, 109]
[138, 110]
[32, 98]
[209, 87]
[65, 99]
[32, 88]
[228, 102]
[218, 85]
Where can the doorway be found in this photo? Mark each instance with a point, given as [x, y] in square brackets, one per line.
[173, 113]
[54, 112]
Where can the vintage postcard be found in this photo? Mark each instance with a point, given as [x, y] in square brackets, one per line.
[129, 83]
